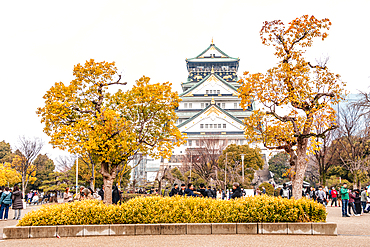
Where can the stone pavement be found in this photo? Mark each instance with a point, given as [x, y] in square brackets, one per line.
[11, 222]
[353, 231]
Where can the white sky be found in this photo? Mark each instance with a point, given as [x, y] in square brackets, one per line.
[41, 41]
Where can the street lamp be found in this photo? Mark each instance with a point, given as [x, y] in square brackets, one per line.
[225, 171]
[191, 163]
[242, 167]
[76, 173]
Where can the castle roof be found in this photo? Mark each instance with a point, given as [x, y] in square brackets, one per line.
[212, 54]
[205, 79]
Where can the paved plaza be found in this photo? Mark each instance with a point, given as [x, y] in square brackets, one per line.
[353, 231]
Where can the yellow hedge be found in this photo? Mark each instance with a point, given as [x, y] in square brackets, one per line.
[177, 210]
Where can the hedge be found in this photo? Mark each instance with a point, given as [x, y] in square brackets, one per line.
[151, 210]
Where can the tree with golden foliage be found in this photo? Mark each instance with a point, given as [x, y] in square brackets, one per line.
[294, 94]
[8, 175]
[84, 117]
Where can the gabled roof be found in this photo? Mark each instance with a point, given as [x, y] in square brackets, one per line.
[204, 110]
[205, 79]
[212, 46]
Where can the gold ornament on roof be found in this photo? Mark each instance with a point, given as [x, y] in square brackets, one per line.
[212, 70]
[212, 101]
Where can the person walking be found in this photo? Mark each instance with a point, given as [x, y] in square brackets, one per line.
[312, 194]
[351, 203]
[182, 190]
[80, 195]
[204, 191]
[174, 191]
[5, 201]
[285, 192]
[29, 196]
[339, 198]
[334, 195]
[363, 198]
[263, 190]
[189, 190]
[115, 195]
[67, 197]
[321, 196]
[345, 197]
[17, 203]
[101, 193]
[237, 191]
[357, 202]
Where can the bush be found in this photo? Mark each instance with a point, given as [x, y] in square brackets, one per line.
[177, 210]
[269, 188]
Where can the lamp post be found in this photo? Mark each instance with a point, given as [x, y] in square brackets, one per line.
[191, 162]
[76, 173]
[225, 171]
[242, 167]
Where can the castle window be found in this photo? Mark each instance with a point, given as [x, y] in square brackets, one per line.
[190, 105]
[219, 126]
[224, 126]
[223, 105]
[206, 125]
[235, 105]
[197, 143]
[218, 91]
[201, 105]
[190, 143]
[185, 105]
[201, 126]
[207, 91]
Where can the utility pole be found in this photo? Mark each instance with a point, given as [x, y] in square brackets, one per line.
[76, 173]
[225, 171]
[243, 167]
[191, 162]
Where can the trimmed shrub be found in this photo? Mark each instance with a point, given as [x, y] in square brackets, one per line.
[177, 209]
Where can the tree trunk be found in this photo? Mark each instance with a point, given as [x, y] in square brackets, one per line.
[359, 184]
[108, 177]
[323, 179]
[355, 180]
[299, 172]
[160, 186]
[23, 187]
[108, 184]
[92, 177]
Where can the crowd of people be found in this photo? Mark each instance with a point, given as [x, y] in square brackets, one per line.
[353, 202]
[190, 190]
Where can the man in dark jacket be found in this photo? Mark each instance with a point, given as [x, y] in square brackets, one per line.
[175, 190]
[213, 192]
[115, 195]
[237, 192]
[285, 192]
[189, 190]
[204, 192]
[101, 193]
[182, 190]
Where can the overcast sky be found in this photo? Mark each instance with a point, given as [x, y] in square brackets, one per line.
[41, 41]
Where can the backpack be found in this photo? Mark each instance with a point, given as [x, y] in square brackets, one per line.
[285, 193]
